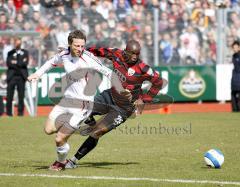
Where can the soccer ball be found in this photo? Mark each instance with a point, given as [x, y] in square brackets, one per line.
[214, 158]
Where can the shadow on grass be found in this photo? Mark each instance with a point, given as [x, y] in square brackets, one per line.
[101, 165]
[105, 165]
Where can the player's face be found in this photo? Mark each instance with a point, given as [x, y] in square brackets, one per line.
[17, 43]
[132, 57]
[235, 48]
[77, 47]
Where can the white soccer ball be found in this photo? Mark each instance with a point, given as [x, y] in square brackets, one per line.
[214, 158]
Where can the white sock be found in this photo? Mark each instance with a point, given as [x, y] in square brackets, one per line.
[62, 152]
[74, 159]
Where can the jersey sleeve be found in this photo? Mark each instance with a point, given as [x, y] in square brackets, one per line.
[52, 62]
[153, 77]
[97, 65]
[103, 52]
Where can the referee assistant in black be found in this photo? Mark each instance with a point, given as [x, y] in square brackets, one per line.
[235, 82]
[17, 73]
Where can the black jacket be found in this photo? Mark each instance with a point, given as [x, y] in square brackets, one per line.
[235, 83]
[17, 62]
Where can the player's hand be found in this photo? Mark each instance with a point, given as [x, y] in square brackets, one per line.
[126, 94]
[33, 77]
[139, 104]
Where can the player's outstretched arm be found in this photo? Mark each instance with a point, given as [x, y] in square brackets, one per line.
[108, 53]
[45, 68]
[33, 77]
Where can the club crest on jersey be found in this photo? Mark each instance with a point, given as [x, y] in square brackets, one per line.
[131, 72]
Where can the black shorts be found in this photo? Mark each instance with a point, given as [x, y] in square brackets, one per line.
[114, 115]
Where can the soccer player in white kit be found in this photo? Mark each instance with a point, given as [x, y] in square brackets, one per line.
[74, 101]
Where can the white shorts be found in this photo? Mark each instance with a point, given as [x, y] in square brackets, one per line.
[79, 110]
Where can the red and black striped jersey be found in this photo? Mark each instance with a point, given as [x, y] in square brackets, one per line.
[132, 76]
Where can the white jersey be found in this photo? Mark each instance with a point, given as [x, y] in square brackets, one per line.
[75, 89]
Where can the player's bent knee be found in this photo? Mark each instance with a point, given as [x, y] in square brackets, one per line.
[99, 132]
[49, 127]
[48, 131]
[60, 140]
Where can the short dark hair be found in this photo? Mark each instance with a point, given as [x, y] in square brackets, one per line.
[76, 34]
[236, 42]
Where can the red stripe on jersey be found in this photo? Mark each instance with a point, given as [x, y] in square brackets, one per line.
[132, 76]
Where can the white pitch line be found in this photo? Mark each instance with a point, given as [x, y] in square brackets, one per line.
[124, 178]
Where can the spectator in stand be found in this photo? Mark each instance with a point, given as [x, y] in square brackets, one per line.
[3, 21]
[94, 16]
[62, 34]
[103, 8]
[164, 5]
[105, 29]
[96, 37]
[18, 4]
[228, 50]
[42, 28]
[51, 41]
[211, 49]
[36, 6]
[64, 12]
[35, 19]
[27, 26]
[190, 44]
[147, 45]
[26, 11]
[172, 24]
[20, 20]
[184, 21]
[3, 7]
[163, 22]
[84, 25]
[166, 48]
[129, 25]
[112, 20]
[176, 11]
[122, 8]
[12, 25]
[11, 9]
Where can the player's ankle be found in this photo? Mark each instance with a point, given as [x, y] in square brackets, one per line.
[74, 159]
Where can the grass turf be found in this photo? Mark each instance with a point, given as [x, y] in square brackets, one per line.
[150, 146]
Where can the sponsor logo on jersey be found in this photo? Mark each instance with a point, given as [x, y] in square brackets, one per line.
[120, 75]
[131, 72]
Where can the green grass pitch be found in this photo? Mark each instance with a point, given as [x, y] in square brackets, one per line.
[149, 146]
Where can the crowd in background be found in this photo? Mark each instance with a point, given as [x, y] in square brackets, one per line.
[187, 28]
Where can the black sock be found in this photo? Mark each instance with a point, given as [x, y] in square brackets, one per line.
[86, 147]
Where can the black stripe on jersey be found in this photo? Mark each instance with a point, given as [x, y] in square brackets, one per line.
[93, 57]
[145, 69]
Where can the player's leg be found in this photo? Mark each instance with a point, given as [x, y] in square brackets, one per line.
[103, 126]
[88, 145]
[62, 147]
[101, 106]
[234, 101]
[21, 93]
[56, 119]
[10, 93]
[1, 106]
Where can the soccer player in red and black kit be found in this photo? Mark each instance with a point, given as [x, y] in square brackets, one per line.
[116, 108]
